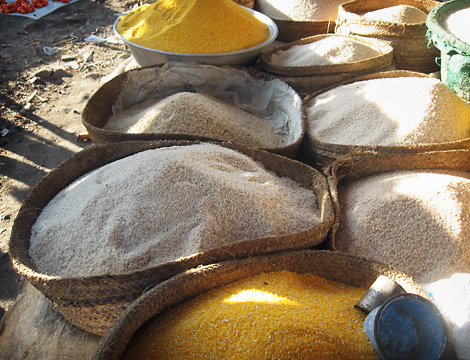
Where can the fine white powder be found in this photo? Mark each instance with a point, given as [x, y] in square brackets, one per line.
[400, 14]
[418, 221]
[388, 112]
[163, 204]
[327, 51]
[300, 10]
[196, 114]
[457, 23]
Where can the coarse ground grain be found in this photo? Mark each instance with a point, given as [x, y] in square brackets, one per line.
[273, 315]
[300, 10]
[163, 204]
[400, 14]
[327, 51]
[196, 114]
[389, 112]
[193, 26]
[417, 221]
[457, 23]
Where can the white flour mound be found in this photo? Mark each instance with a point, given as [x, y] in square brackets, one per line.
[400, 14]
[196, 114]
[388, 112]
[326, 51]
[160, 205]
[417, 221]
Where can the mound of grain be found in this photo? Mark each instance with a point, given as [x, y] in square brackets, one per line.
[327, 51]
[299, 10]
[160, 205]
[418, 221]
[457, 23]
[388, 111]
[196, 114]
[400, 14]
[274, 315]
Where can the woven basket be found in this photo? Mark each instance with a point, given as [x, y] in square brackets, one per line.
[359, 166]
[308, 79]
[321, 153]
[93, 303]
[160, 81]
[412, 50]
[335, 266]
[289, 30]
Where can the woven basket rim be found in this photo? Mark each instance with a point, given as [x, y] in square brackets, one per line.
[349, 7]
[196, 281]
[359, 65]
[331, 151]
[121, 284]
[110, 91]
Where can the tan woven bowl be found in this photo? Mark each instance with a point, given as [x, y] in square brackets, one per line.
[140, 84]
[332, 265]
[359, 165]
[308, 79]
[93, 303]
[321, 153]
[411, 47]
[289, 30]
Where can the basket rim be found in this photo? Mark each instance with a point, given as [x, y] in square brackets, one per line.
[99, 133]
[172, 291]
[384, 47]
[340, 149]
[62, 288]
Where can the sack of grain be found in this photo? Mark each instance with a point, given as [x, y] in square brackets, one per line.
[385, 113]
[319, 61]
[401, 23]
[297, 19]
[116, 218]
[334, 266]
[410, 211]
[207, 103]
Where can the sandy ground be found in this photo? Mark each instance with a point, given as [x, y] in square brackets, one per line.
[42, 96]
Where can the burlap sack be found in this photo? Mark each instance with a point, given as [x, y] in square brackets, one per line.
[93, 303]
[335, 266]
[411, 48]
[308, 79]
[319, 153]
[250, 90]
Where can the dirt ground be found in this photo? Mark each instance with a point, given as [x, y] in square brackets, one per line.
[42, 95]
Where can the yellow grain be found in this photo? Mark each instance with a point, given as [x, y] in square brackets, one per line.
[275, 315]
[193, 26]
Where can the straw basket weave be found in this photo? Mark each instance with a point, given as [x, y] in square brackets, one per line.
[308, 79]
[321, 153]
[289, 30]
[246, 86]
[93, 303]
[335, 266]
[412, 50]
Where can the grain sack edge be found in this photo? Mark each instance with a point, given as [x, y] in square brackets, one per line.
[348, 269]
[384, 60]
[99, 107]
[323, 154]
[103, 297]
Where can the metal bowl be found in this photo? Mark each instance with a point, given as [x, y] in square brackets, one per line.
[145, 56]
